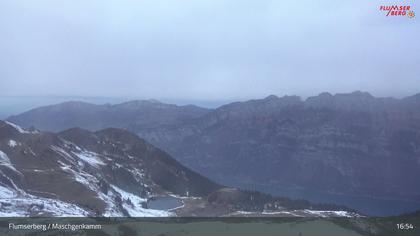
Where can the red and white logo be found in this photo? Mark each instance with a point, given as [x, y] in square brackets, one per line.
[398, 10]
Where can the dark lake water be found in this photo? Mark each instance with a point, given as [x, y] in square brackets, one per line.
[164, 203]
[366, 205]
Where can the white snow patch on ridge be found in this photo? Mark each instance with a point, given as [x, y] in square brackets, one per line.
[331, 213]
[5, 161]
[6, 192]
[20, 129]
[135, 209]
[302, 213]
[91, 182]
[18, 203]
[64, 154]
[89, 157]
[28, 205]
[12, 143]
[130, 202]
[82, 177]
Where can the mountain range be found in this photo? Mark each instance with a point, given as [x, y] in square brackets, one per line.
[113, 172]
[353, 144]
[110, 172]
[133, 115]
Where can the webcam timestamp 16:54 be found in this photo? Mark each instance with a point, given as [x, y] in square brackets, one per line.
[405, 226]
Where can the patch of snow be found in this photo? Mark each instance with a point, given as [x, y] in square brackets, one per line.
[30, 205]
[316, 213]
[81, 176]
[6, 192]
[91, 182]
[243, 213]
[16, 203]
[64, 154]
[12, 182]
[5, 161]
[182, 197]
[88, 180]
[12, 143]
[302, 213]
[342, 213]
[111, 209]
[69, 144]
[127, 195]
[313, 213]
[331, 213]
[292, 213]
[32, 152]
[20, 129]
[137, 174]
[63, 166]
[135, 209]
[90, 158]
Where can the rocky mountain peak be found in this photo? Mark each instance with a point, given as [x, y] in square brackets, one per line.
[271, 97]
[357, 100]
[136, 104]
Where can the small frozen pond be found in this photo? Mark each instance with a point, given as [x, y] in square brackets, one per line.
[164, 203]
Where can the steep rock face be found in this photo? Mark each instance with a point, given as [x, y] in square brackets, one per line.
[110, 173]
[345, 143]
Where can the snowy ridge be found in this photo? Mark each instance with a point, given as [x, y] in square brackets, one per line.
[299, 213]
[133, 205]
[19, 204]
[130, 202]
[5, 161]
[20, 129]
[331, 213]
[64, 154]
[90, 158]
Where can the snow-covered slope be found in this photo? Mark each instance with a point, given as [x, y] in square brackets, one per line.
[79, 173]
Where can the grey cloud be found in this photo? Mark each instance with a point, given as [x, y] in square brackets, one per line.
[205, 50]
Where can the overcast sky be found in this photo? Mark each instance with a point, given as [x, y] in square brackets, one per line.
[206, 49]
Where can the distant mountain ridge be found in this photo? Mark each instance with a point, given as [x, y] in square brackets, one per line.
[143, 114]
[350, 143]
[132, 115]
[345, 143]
